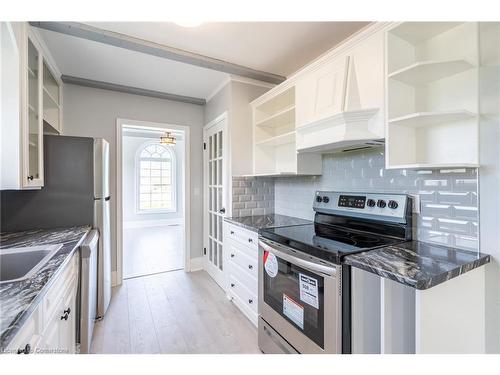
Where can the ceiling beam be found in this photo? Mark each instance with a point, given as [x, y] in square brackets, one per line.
[88, 32]
[131, 90]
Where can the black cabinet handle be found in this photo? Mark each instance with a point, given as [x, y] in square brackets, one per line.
[250, 267]
[66, 314]
[232, 255]
[250, 301]
[250, 240]
[26, 350]
[232, 285]
[30, 178]
[232, 232]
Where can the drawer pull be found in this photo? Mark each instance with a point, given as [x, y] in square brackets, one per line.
[250, 301]
[232, 232]
[250, 267]
[232, 255]
[250, 240]
[26, 350]
[232, 285]
[66, 314]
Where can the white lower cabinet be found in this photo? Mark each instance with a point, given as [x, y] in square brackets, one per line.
[51, 328]
[242, 251]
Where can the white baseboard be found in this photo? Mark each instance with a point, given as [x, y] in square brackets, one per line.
[152, 223]
[196, 264]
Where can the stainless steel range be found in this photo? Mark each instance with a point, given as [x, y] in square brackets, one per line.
[304, 289]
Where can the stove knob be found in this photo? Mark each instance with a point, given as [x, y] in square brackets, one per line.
[370, 203]
[392, 204]
[381, 203]
[326, 199]
[319, 199]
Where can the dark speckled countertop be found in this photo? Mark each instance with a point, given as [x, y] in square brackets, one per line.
[417, 264]
[19, 298]
[254, 223]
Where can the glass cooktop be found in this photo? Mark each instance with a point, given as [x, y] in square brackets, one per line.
[324, 241]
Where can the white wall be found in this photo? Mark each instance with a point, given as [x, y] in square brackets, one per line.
[93, 113]
[489, 176]
[130, 146]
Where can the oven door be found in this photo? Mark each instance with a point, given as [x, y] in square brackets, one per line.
[300, 298]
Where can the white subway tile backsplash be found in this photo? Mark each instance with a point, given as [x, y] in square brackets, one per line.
[448, 197]
[252, 196]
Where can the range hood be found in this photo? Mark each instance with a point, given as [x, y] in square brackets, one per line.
[343, 131]
[355, 126]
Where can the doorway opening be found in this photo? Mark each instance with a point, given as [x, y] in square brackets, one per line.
[153, 199]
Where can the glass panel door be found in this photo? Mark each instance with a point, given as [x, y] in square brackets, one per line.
[34, 120]
[296, 294]
[214, 200]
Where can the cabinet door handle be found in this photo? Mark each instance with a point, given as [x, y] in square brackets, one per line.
[30, 178]
[250, 301]
[232, 255]
[232, 232]
[250, 267]
[26, 350]
[66, 314]
[250, 240]
[232, 285]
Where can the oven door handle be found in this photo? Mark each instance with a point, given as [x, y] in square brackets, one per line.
[311, 266]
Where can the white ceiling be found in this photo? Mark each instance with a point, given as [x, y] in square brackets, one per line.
[274, 47]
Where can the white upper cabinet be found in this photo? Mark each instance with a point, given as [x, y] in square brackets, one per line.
[31, 105]
[340, 102]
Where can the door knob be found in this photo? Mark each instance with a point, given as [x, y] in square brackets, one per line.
[222, 210]
[26, 350]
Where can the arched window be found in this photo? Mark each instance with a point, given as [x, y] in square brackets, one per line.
[156, 178]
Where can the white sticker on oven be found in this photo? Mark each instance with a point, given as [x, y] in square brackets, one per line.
[293, 311]
[270, 264]
[309, 290]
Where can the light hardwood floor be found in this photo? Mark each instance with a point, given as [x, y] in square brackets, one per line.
[173, 312]
[149, 250]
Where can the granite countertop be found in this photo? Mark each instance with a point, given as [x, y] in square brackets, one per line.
[254, 223]
[417, 264]
[19, 298]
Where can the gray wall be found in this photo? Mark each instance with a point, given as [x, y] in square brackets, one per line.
[93, 113]
[130, 146]
[218, 104]
[449, 200]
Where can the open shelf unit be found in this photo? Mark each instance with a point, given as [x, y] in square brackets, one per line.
[274, 138]
[51, 99]
[432, 95]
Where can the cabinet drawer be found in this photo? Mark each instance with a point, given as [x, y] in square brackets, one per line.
[239, 278]
[64, 281]
[243, 294]
[241, 258]
[243, 236]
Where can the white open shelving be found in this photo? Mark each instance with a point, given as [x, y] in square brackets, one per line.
[432, 95]
[275, 149]
[51, 101]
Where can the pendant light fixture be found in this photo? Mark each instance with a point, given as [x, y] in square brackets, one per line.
[167, 139]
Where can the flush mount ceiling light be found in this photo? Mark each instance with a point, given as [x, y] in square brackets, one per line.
[188, 23]
[167, 139]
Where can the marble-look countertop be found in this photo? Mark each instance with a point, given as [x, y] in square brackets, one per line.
[19, 298]
[254, 223]
[417, 264]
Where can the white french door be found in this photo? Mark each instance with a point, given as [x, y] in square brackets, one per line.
[215, 188]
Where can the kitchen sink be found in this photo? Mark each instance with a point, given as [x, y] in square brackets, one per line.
[21, 263]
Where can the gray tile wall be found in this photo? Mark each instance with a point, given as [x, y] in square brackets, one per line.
[449, 200]
[253, 196]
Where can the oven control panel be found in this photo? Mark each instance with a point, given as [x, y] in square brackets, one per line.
[368, 205]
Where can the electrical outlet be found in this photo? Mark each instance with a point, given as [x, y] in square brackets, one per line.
[416, 203]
